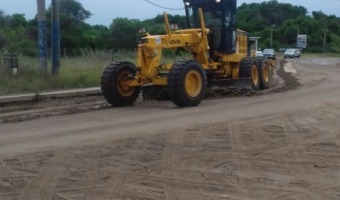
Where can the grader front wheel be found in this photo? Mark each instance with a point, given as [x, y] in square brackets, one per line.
[115, 84]
[187, 83]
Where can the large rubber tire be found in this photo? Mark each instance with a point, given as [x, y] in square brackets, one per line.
[265, 73]
[114, 84]
[249, 69]
[187, 83]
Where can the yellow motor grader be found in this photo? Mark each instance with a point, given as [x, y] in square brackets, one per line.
[220, 55]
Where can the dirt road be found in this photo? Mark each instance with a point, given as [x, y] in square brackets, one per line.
[279, 144]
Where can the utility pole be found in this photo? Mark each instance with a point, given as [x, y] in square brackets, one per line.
[55, 37]
[271, 35]
[42, 39]
[324, 39]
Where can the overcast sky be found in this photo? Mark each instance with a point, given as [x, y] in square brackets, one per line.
[105, 10]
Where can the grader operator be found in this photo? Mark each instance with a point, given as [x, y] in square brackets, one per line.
[220, 55]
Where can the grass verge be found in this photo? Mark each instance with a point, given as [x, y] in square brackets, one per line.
[78, 72]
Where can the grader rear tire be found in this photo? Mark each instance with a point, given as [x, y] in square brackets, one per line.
[249, 69]
[114, 84]
[187, 83]
[265, 73]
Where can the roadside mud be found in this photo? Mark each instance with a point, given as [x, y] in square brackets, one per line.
[23, 111]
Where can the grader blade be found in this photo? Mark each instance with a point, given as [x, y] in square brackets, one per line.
[240, 83]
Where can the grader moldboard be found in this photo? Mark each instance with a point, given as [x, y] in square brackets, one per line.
[220, 56]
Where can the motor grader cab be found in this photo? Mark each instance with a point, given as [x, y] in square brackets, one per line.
[219, 56]
[220, 18]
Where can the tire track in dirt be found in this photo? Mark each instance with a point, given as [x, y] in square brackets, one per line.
[30, 179]
[280, 156]
[10, 183]
[77, 173]
[112, 171]
[195, 156]
[44, 184]
[83, 176]
[107, 172]
[201, 167]
[173, 161]
[297, 164]
[272, 154]
[244, 172]
[119, 181]
[148, 164]
[324, 148]
[215, 156]
[301, 174]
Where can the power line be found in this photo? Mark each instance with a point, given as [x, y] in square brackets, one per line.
[163, 6]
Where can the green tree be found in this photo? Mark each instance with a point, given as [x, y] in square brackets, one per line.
[3, 22]
[73, 10]
[3, 19]
[103, 39]
[75, 32]
[13, 34]
[14, 45]
[289, 20]
[124, 33]
[17, 20]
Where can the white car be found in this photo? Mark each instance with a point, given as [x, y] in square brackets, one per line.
[259, 54]
[269, 54]
[292, 53]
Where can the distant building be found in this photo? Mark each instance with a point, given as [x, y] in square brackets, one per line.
[254, 43]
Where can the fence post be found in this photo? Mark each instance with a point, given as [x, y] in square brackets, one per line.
[11, 64]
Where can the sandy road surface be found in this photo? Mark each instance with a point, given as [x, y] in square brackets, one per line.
[282, 145]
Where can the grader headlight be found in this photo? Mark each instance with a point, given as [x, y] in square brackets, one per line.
[173, 27]
[141, 30]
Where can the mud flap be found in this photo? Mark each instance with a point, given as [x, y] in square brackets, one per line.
[236, 83]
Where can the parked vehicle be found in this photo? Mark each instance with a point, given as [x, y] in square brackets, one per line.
[269, 54]
[292, 53]
[259, 54]
[282, 50]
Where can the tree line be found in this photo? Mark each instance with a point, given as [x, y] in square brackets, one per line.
[286, 21]
[281, 20]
